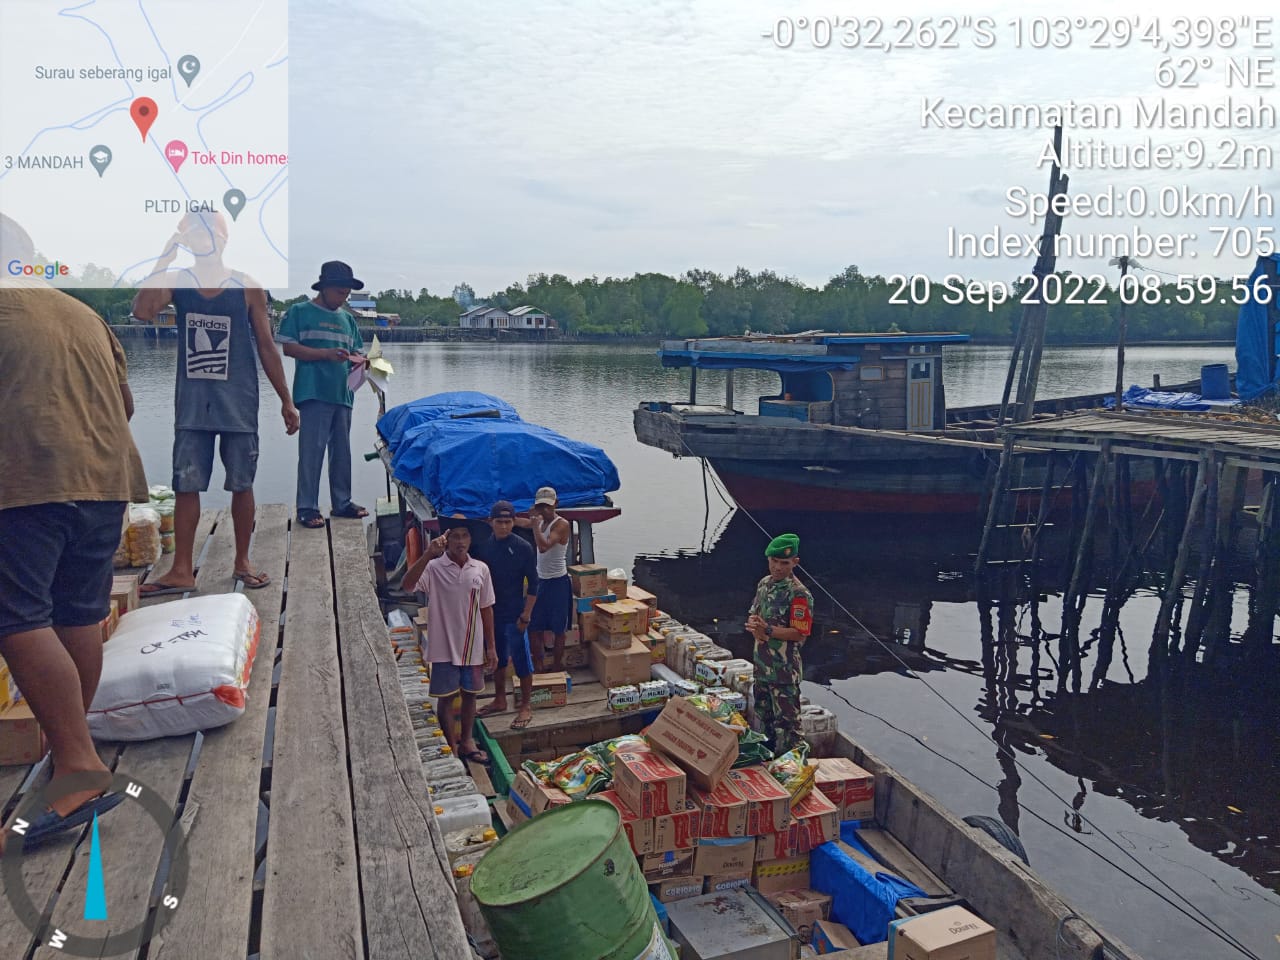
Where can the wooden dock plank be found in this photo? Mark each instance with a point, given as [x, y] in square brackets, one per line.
[131, 845]
[407, 889]
[225, 786]
[209, 519]
[311, 901]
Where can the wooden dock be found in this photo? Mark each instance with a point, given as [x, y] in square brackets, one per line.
[308, 829]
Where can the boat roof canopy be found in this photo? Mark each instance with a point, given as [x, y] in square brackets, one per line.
[809, 352]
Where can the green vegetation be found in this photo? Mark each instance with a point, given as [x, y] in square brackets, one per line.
[704, 303]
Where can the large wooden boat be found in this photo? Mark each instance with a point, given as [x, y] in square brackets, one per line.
[860, 424]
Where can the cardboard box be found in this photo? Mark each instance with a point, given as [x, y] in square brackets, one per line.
[643, 596]
[648, 784]
[952, 933]
[617, 668]
[588, 580]
[818, 819]
[779, 846]
[613, 641]
[639, 832]
[588, 628]
[679, 888]
[618, 586]
[21, 739]
[589, 604]
[420, 630]
[657, 647]
[679, 830]
[724, 857]
[549, 690]
[802, 909]
[768, 803]
[640, 626]
[775, 876]
[667, 864]
[7, 687]
[530, 797]
[728, 881]
[572, 638]
[618, 617]
[829, 937]
[724, 811]
[576, 657]
[124, 590]
[847, 785]
[704, 748]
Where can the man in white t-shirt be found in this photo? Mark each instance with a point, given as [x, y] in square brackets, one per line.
[460, 637]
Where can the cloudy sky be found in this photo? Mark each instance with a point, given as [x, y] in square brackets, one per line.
[436, 143]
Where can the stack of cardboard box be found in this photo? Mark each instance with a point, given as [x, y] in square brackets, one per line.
[21, 740]
[609, 629]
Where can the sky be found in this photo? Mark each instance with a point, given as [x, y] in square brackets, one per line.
[432, 144]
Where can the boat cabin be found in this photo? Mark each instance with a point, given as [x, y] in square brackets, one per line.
[882, 381]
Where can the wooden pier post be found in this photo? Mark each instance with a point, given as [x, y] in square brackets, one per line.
[996, 509]
[1265, 601]
[1208, 539]
[1072, 605]
[1160, 635]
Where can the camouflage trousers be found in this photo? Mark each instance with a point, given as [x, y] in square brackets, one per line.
[778, 710]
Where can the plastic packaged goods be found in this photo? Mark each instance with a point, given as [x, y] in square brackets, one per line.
[176, 668]
[624, 698]
[143, 536]
[398, 619]
[462, 813]
[654, 693]
[685, 688]
[660, 671]
[446, 768]
[447, 789]
[460, 843]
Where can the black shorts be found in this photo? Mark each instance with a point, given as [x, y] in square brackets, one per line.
[56, 564]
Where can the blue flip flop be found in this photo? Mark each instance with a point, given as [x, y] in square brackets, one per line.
[50, 824]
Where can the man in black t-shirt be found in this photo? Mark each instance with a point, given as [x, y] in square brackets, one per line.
[513, 565]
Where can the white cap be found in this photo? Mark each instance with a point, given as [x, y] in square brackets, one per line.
[545, 495]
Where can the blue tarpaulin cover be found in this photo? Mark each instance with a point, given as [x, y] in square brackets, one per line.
[1141, 397]
[463, 465]
[397, 420]
[1256, 340]
[863, 902]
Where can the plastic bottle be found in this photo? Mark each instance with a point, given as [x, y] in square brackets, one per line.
[446, 768]
[473, 840]
[472, 919]
[457, 787]
[462, 812]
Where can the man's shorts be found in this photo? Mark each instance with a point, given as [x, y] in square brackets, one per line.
[56, 564]
[513, 648]
[448, 678]
[554, 609]
[193, 460]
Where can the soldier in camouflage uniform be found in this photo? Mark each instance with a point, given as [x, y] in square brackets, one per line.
[780, 619]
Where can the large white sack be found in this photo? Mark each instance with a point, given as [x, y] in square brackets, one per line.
[175, 668]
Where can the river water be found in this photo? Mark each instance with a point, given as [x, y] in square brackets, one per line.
[1184, 803]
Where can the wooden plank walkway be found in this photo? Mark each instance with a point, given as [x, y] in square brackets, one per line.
[1158, 435]
[322, 765]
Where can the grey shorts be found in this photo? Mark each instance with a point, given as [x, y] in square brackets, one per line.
[193, 460]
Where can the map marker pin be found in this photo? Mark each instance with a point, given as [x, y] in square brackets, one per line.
[234, 200]
[143, 110]
[188, 67]
[175, 151]
[100, 158]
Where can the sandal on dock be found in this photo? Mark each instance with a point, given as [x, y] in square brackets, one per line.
[352, 511]
[251, 580]
[159, 589]
[311, 519]
[51, 824]
[519, 723]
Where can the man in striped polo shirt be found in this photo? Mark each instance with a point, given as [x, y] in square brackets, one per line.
[324, 342]
[460, 635]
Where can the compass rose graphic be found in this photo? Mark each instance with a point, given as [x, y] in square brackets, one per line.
[93, 937]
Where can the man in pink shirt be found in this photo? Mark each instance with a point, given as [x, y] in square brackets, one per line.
[460, 637]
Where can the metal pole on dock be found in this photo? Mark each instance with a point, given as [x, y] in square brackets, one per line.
[1124, 263]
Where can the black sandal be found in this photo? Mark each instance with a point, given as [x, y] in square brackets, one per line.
[311, 519]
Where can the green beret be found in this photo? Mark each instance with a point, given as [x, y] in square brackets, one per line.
[785, 545]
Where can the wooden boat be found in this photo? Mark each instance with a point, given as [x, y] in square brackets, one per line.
[916, 837]
[859, 425]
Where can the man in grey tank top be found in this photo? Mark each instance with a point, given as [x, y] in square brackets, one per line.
[223, 333]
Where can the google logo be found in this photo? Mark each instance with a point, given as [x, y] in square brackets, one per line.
[17, 268]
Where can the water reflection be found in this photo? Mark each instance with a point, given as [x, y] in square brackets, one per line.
[1177, 739]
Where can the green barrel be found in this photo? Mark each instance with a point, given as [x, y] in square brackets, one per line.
[566, 885]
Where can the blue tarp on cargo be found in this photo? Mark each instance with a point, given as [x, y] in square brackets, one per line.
[1142, 398]
[464, 465]
[459, 403]
[863, 902]
[1257, 340]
